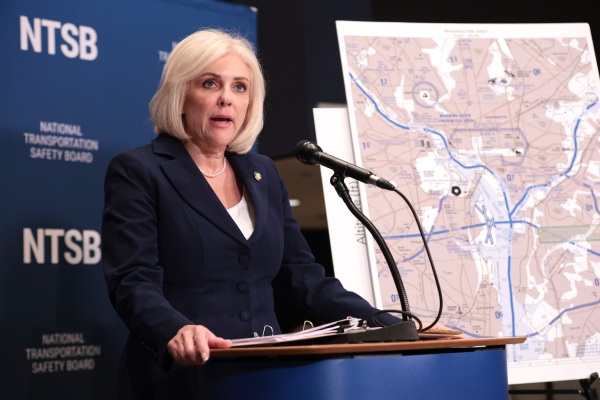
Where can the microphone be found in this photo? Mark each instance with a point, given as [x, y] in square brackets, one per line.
[310, 153]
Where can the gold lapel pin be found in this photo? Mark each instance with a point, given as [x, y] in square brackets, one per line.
[257, 176]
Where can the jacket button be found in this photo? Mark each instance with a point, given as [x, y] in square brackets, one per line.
[244, 259]
[242, 286]
[245, 315]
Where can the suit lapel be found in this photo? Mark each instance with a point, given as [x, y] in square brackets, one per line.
[255, 181]
[188, 181]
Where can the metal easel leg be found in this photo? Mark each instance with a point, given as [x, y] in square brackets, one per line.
[586, 387]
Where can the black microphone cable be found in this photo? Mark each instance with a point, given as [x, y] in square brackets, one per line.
[428, 252]
[337, 182]
[309, 153]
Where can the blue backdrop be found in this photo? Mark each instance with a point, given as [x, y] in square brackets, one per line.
[77, 77]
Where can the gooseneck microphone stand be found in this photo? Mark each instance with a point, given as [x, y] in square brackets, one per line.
[405, 330]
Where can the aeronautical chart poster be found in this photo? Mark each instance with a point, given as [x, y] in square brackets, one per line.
[491, 132]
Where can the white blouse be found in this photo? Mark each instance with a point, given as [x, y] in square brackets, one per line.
[243, 215]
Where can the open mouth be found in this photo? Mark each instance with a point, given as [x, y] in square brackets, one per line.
[221, 119]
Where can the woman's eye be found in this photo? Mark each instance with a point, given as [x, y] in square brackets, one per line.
[240, 87]
[209, 84]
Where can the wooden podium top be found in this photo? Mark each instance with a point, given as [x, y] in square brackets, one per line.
[361, 348]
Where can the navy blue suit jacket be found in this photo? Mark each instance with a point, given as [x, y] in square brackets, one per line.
[173, 256]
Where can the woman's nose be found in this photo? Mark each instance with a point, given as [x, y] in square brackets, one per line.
[224, 100]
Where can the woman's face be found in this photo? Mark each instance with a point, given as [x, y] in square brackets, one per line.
[216, 102]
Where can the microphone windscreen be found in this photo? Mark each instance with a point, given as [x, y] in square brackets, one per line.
[307, 151]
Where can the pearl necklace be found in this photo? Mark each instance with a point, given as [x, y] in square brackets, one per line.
[218, 173]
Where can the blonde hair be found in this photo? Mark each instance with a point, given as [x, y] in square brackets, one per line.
[191, 56]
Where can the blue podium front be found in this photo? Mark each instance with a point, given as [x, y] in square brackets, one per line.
[469, 372]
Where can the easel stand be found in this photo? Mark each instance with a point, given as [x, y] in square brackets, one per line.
[586, 387]
[586, 390]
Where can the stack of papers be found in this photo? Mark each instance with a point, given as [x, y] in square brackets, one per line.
[348, 325]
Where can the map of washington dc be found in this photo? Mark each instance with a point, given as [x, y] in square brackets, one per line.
[492, 133]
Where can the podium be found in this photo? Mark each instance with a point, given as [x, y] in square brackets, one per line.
[428, 369]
